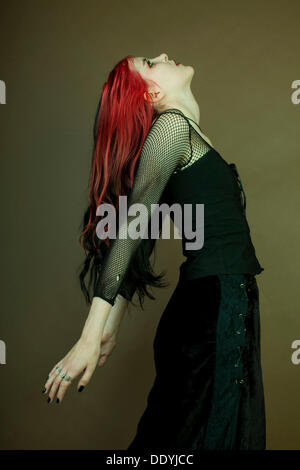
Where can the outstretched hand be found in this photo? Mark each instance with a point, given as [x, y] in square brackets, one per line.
[83, 357]
[98, 339]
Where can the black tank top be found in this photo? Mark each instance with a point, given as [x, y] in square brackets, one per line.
[227, 247]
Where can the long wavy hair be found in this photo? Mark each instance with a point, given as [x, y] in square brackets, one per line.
[123, 118]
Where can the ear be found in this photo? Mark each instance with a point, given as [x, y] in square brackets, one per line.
[155, 94]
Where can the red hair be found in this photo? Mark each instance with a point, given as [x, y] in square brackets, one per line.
[123, 119]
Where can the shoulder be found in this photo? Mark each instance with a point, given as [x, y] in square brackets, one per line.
[169, 126]
[167, 141]
[172, 116]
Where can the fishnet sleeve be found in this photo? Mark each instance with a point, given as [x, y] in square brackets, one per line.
[167, 141]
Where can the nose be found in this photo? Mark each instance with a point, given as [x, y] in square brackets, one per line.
[164, 57]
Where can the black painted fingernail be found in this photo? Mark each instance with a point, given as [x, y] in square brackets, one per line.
[44, 389]
[57, 400]
[80, 388]
[48, 399]
[47, 378]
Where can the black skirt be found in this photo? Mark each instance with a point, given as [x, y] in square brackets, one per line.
[208, 391]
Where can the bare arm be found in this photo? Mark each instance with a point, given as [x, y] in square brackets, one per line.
[96, 320]
[111, 321]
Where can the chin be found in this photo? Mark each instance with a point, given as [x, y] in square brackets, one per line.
[190, 70]
[188, 67]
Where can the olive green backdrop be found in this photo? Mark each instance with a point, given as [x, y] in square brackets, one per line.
[54, 59]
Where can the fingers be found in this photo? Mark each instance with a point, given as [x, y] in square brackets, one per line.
[87, 375]
[62, 386]
[51, 377]
[66, 370]
[59, 386]
[53, 372]
[57, 383]
[102, 359]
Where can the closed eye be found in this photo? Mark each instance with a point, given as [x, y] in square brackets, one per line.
[149, 62]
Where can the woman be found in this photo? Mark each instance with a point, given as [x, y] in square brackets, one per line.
[208, 390]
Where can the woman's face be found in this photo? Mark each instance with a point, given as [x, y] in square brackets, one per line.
[165, 76]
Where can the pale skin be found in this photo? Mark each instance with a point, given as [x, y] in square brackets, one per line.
[169, 84]
[169, 87]
[96, 343]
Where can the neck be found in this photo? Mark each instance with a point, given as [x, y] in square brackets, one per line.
[186, 103]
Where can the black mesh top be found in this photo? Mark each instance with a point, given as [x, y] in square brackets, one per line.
[177, 165]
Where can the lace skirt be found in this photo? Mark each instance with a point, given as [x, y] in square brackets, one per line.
[208, 391]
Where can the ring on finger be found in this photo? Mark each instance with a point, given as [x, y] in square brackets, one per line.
[66, 377]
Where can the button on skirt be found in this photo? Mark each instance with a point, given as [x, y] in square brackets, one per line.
[208, 390]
